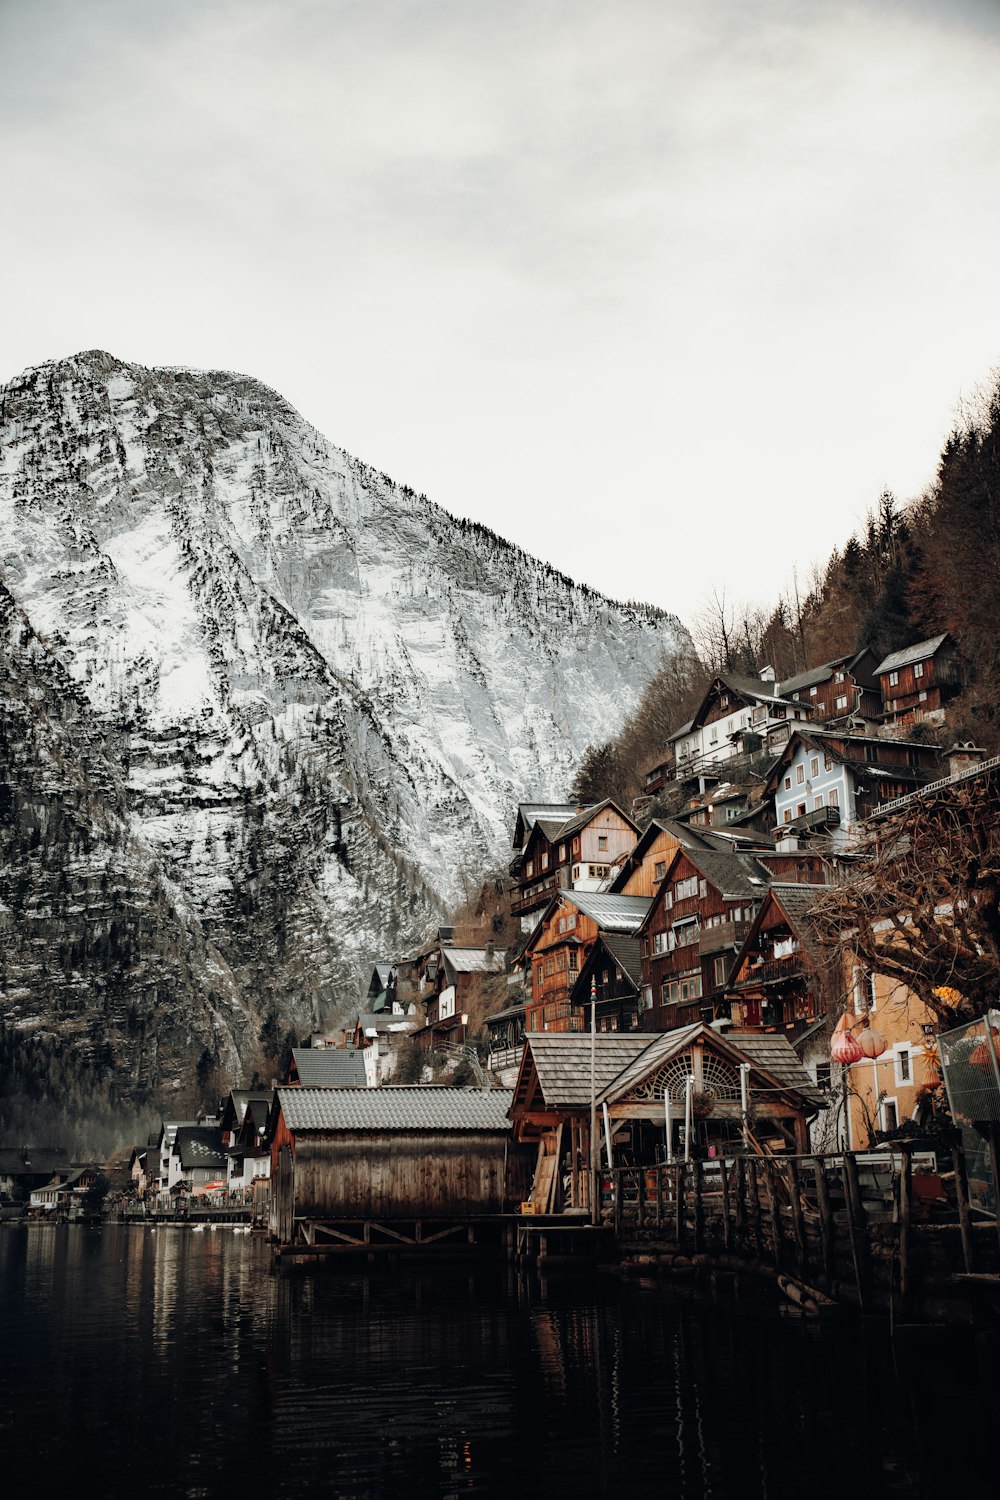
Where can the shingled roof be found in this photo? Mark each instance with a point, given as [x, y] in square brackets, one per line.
[562, 1062]
[395, 1108]
[920, 651]
[329, 1067]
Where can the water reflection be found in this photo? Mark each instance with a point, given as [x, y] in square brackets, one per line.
[173, 1362]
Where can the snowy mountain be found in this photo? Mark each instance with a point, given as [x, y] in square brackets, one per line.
[263, 714]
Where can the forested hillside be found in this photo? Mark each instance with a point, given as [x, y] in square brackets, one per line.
[913, 570]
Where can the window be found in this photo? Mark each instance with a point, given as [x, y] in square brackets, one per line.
[827, 762]
[679, 991]
[818, 801]
[893, 679]
[800, 809]
[574, 960]
[685, 932]
[838, 676]
[659, 869]
[545, 859]
[660, 942]
[720, 969]
[812, 692]
[904, 1066]
[686, 888]
[800, 775]
[918, 669]
[922, 697]
[538, 974]
[598, 872]
[889, 1114]
[562, 853]
[814, 766]
[788, 783]
[529, 868]
[824, 1076]
[602, 843]
[841, 702]
[787, 815]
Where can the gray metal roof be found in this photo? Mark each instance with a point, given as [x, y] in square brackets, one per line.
[399, 1108]
[910, 654]
[474, 960]
[611, 912]
[330, 1067]
[562, 1061]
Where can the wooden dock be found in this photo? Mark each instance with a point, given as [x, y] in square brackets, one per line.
[860, 1230]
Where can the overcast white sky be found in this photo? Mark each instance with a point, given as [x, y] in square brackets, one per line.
[664, 290]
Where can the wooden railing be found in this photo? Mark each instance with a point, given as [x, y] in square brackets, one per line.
[867, 1228]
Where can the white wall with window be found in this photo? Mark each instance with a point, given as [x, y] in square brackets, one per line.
[814, 780]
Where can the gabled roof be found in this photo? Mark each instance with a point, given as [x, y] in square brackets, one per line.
[395, 1108]
[200, 1147]
[795, 900]
[528, 814]
[473, 960]
[28, 1161]
[611, 913]
[910, 654]
[830, 741]
[733, 874]
[329, 1067]
[581, 820]
[562, 1062]
[623, 950]
[775, 1054]
[816, 675]
[770, 1054]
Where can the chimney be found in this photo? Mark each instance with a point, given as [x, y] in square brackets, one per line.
[786, 840]
[963, 756]
[766, 674]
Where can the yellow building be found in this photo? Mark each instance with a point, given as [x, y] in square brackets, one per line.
[884, 1091]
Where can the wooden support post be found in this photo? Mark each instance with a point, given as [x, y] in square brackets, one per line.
[798, 1225]
[727, 1230]
[770, 1174]
[962, 1200]
[856, 1226]
[640, 1183]
[825, 1219]
[699, 1207]
[659, 1197]
[741, 1207]
[758, 1244]
[679, 1204]
[617, 1180]
[905, 1211]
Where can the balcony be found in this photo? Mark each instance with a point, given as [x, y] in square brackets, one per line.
[538, 894]
[726, 935]
[772, 971]
[820, 817]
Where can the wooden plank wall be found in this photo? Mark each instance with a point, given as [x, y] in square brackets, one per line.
[423, 1175]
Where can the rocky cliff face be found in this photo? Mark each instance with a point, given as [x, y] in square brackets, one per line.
[263, 712]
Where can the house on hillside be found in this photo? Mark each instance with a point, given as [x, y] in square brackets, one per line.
[918, 682]
[559, 947]
[845, 688]
[66, 1190]
[453, 980]
[736, 714]
[23, 1168]
[610, 979]
[577, 853]
[783, 980]
[696, 923]
[826, 781]
[198, 1161]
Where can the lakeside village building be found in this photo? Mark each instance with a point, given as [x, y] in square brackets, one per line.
[687, 934]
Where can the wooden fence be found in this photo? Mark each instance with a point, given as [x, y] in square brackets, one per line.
[880, 1230]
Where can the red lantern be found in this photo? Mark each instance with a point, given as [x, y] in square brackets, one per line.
[979, 1057]
[872, 1042]
[844, 1048]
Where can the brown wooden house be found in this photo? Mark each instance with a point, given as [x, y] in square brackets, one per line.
[575, 853]
[558, 949]
[779, 979]
[918, 681]
[847, 687]
[698, 919]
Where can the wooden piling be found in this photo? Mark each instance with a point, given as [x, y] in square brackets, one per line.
[679, 1205]
[962, 1200]
[856, 1227]
[727, 1231]
[905, 1212]
[775, 1213]
[754, 1187]
[699, 1207]
[825, 1219]
[798, 1224]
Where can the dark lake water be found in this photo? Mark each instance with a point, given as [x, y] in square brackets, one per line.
[172, 1363]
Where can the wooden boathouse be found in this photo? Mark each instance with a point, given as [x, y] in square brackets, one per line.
[392, 1168]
